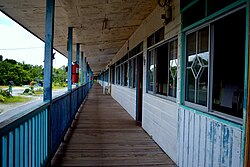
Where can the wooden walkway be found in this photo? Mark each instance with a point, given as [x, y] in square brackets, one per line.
[105, 135]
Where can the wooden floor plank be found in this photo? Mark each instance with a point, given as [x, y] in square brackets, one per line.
[103, 134]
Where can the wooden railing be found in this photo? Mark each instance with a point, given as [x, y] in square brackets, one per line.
[32, 137]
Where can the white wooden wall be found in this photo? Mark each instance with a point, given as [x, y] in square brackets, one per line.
[126, 97]
[206, 142]
[160, 120]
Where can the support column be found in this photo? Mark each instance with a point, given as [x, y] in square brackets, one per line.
[70, 42]
[88, 72]
[48, 52]
[85, 70]
[81, 66]
[77, 56]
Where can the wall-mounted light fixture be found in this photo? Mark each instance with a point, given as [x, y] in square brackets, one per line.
[167, 5]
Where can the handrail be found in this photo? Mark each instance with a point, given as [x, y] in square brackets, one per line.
[32, 137]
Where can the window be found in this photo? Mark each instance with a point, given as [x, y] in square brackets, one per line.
[113, 74]
[197, 67]
[173, 62]
[132, 70]
[122, 74]
[162, 69]
[195, 10]
[221, 46]
[151, 70]
[118, 75]
[126, 74]
[155, 37]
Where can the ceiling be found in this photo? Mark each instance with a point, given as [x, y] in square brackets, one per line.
[100, 26]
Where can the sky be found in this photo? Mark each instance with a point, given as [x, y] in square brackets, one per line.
[18, 44]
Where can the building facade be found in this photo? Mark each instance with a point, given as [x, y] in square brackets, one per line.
[184, 76]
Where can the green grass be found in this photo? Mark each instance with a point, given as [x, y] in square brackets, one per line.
[16, 99]
[4, 87]
[57, 87]
[38, 92]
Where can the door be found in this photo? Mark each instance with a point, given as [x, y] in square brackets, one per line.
[139, 85]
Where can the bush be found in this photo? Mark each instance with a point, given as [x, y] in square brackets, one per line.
[5, 93]
[2, 98]
[26, 90]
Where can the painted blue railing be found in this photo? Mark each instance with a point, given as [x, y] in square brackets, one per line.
[32, 137]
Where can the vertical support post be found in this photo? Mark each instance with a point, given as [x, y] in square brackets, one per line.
[48, 51]
[246, 107]
[88, 72]
[85, 70]
[48, 66]
[82, 70]
[77, 56]
[70, 42]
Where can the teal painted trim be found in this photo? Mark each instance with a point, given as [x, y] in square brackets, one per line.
[246, 72]
[189, 5]
[70, 51]
[48, 53]
[182, 68]
[212, 16]
[213, 117]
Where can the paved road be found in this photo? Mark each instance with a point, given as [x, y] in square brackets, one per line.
[14, 109]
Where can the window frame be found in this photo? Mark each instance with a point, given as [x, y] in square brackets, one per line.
[208, 109]
[153, 48]
[187, 103]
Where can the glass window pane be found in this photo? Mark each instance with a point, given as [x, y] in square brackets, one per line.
[197, 67]
[134, 72]
[202, 87]
[126, 74]
[151, 68]
[122, 79]
[118, 75]
[215, 5]
[203, 40]
[173, 62]
[190, 86]
[229, 59]
[162, 69]
[130, 73]
[194, 13]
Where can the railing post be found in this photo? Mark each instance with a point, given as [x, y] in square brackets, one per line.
[82, 69]
[85, 70]
[70, 41]
[48, 53]
[77, 56]
[48, 65]
[1, 148]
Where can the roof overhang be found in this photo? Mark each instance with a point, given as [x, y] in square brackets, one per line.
[100, 26]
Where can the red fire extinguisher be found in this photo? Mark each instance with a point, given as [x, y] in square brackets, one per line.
[75, 72]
